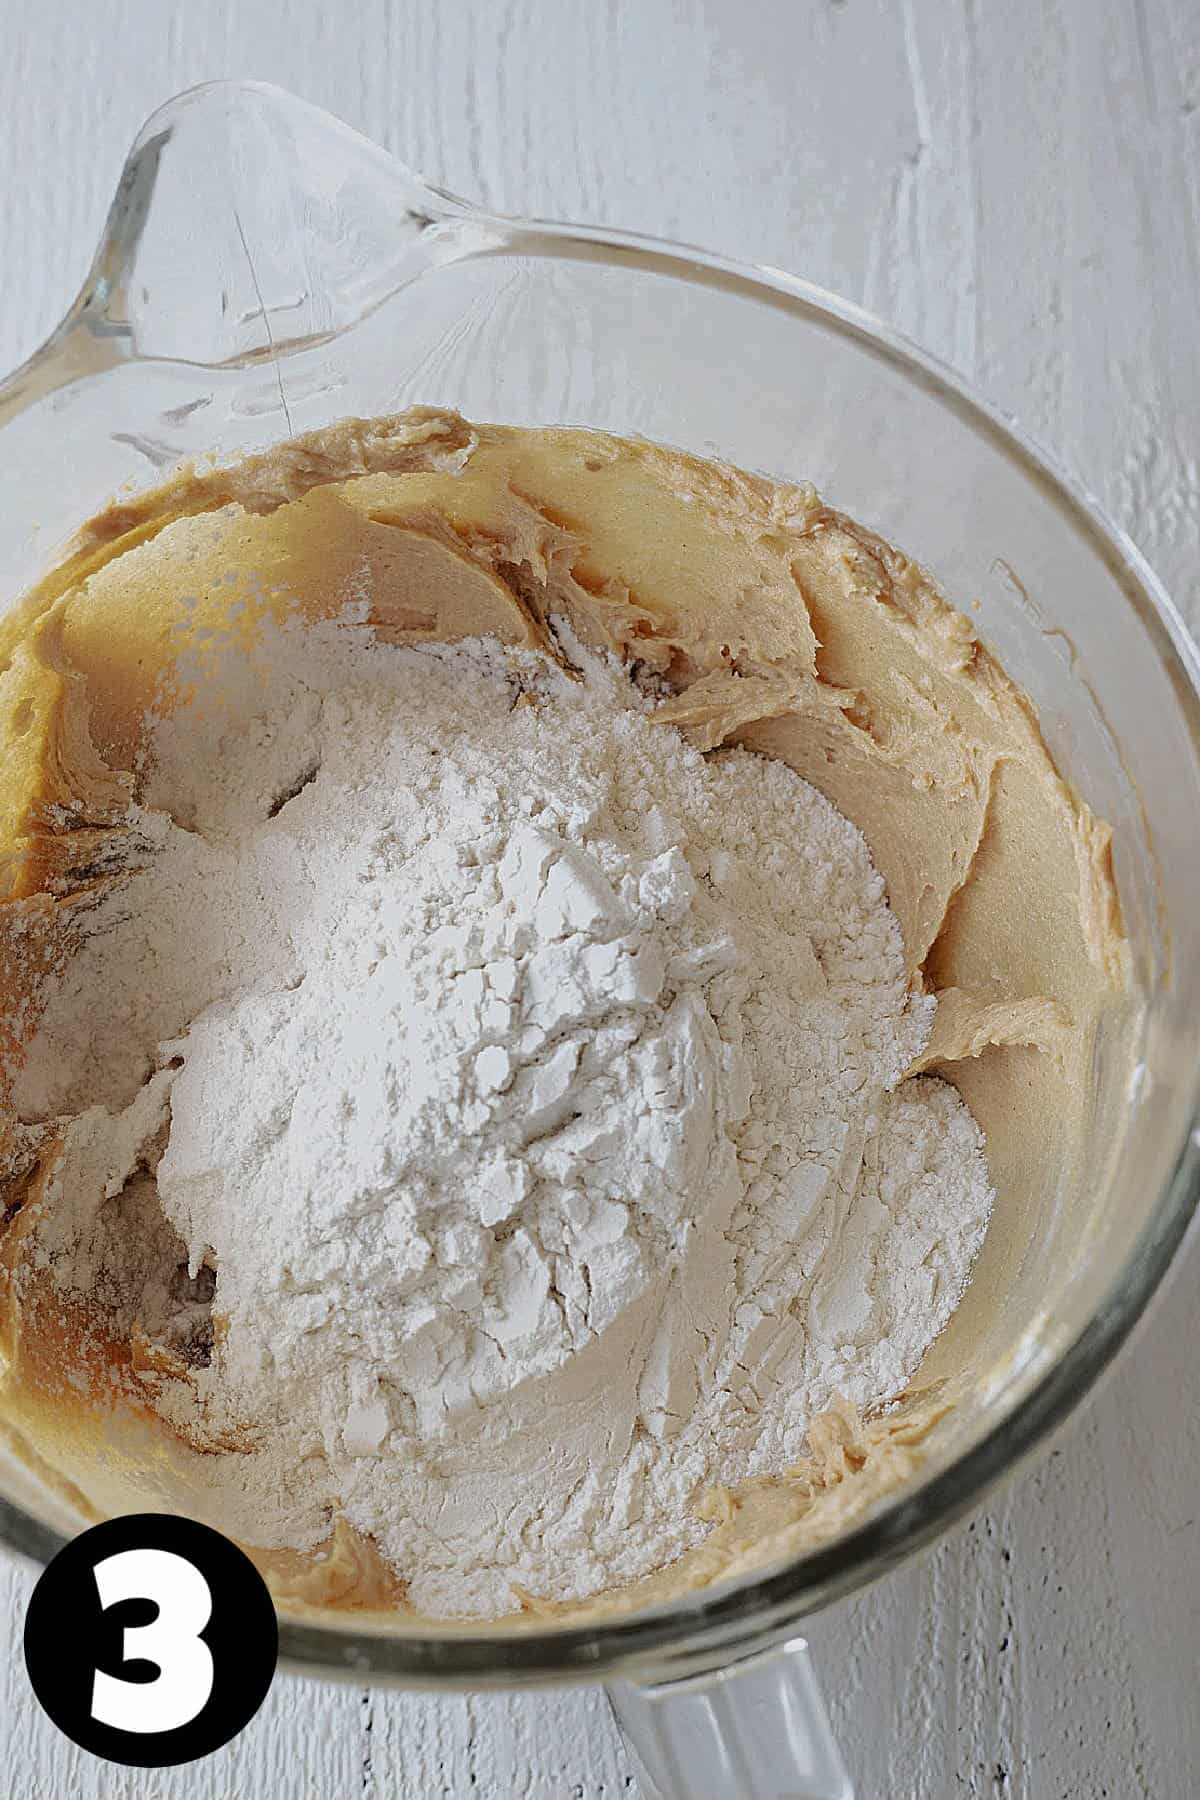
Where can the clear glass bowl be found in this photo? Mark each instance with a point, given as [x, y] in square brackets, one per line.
[263, 271]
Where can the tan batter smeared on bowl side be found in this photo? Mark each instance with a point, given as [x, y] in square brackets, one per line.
[775, 623]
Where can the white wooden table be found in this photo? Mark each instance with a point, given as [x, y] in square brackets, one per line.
[1016, 183]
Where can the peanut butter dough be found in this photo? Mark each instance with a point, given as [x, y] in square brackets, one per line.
[772, 622]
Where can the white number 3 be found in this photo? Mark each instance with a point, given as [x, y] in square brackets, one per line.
[172, 1642]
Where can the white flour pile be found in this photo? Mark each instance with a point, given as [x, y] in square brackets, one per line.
[531, 1088]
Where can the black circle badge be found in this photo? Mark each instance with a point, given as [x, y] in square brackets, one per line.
[151, 1640]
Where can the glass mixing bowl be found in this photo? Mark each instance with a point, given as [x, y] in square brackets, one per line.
[263, 271]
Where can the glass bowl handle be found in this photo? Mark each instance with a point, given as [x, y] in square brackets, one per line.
[756, 1728]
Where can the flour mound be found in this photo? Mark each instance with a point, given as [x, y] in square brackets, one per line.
[526, 1090]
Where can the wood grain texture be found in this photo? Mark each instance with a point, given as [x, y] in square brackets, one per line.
[1017, 186]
